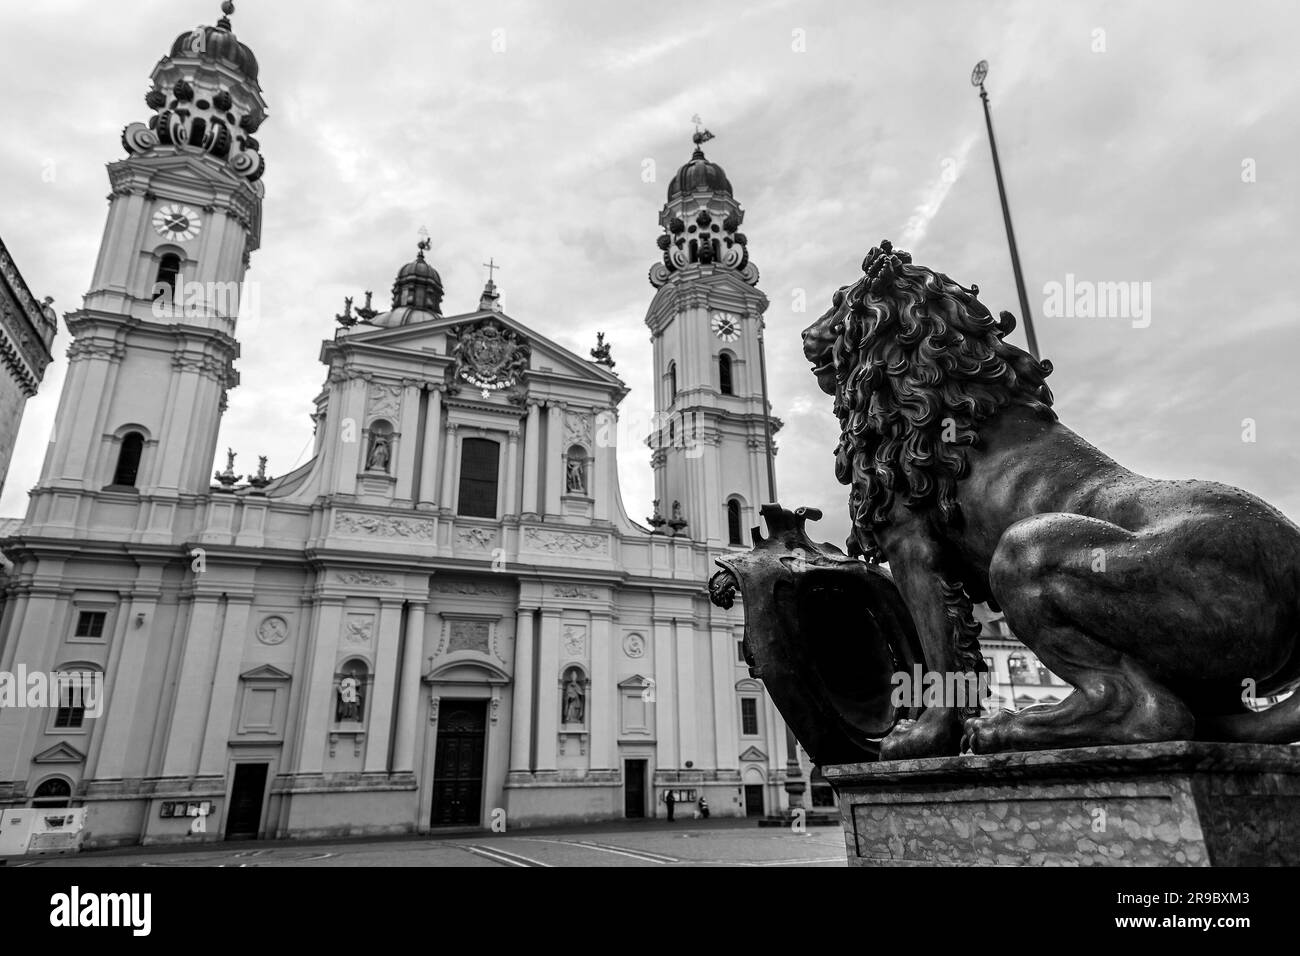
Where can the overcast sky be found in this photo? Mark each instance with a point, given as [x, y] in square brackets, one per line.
[1126, 132]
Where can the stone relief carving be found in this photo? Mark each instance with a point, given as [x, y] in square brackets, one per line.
[359, 628]
[478, 537]
[575, 591]
[273, 630]
[634, 645]
[366, 577]
[577, 429]
[468, 587]
[575, 640]
[384, 526]
[571, 542]
[385, 401]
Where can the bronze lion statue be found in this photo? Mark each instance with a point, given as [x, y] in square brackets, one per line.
[1158, 601]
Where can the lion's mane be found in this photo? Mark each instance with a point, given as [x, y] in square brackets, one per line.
[920, 364]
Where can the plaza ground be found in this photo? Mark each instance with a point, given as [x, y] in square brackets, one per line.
[648, 843]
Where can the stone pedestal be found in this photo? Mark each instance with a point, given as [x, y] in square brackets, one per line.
[1171, 804]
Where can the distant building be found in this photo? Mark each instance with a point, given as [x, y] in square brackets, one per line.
[27, 329]
[1017, 678]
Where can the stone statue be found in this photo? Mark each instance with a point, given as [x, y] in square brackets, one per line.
[378, 459]
[350, 702]
[575, 475]
[575, 700]
[1157, 600]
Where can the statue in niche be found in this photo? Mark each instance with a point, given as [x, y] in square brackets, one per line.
[575, 474]
[575, 699]
[351, 700]
[377, 460]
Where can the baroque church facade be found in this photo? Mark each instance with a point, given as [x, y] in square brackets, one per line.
[446, 616]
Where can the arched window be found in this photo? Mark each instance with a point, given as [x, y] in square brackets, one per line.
[479, 461]
[128, 460]
[735, 534]
[169, 267]
[53, 792]
[724, 374]
[672, 381]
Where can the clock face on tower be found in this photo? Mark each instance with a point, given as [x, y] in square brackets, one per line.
[726, 326]
[176, 222]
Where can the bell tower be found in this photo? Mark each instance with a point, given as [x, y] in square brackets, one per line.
[710, 440]
[154, 344]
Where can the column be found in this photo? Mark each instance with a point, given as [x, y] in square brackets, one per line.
[548, 691]
[521, 706]
[429, 458]
[604, 454]
[193, 685]
[318, 696]
[225, 685]
[665, 693]
[408, 427]
[554, 455]
[351, 447]
[446, 500]
[532, 442]
[724, 699]
[687, 737]
[408, 700]
[603, 718]
[379, 722]
[512, 473]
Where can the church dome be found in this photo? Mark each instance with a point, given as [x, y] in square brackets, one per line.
[417, 268]
[417, 293]
[699, 173]
[218, 43]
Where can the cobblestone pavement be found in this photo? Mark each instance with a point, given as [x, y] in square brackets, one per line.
[651, 843]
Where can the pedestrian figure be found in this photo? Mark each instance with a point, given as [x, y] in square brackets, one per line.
[669, 800]
[704, 808]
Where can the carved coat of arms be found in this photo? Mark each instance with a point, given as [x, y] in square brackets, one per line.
[489, 356]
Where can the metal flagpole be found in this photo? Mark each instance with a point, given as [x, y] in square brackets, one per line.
[977, 79]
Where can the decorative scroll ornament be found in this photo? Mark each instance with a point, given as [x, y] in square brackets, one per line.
[490, 356]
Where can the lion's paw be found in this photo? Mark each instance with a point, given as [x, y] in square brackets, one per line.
[936, 736]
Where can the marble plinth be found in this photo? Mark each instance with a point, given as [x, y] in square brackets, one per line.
[1170, 804]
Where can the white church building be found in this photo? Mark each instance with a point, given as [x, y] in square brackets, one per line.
[446, 617]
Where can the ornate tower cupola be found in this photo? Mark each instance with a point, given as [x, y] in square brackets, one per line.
[205, 95]
[701, 221]
[711, 443]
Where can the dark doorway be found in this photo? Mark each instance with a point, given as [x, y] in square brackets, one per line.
[458, 764]
[246, 792]
[753, 799]
[633, 789]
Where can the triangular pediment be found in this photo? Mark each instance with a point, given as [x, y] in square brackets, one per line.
[265, 672]
[548, 357]
[635, 682]
[753, 754]
[61, 752]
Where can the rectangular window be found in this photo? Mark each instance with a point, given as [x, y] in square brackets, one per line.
[479, 460]
[91, 623]
[740, 651]
[749, 716]
[71, 712]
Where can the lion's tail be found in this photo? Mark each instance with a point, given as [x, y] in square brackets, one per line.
[1279, 724]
